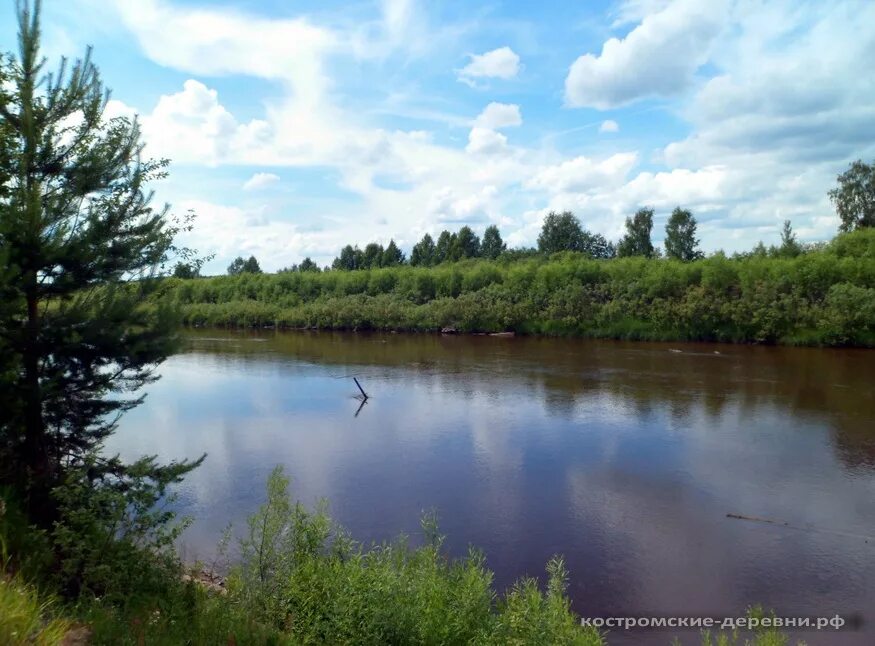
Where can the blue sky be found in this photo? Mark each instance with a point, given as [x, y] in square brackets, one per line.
[295, 127]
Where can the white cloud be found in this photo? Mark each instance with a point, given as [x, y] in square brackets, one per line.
[500, 63]
[485, 141]
[447, 206]
[658, 57]
[216, 42]
[777, 113]
[499, 115]
[609, 126]
[192, 126]
[260, 181]
[583, 174]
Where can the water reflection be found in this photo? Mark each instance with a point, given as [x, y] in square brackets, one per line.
[623, 457]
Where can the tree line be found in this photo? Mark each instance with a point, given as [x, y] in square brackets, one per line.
[853, 198]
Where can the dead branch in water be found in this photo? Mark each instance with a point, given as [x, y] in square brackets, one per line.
[364, 394]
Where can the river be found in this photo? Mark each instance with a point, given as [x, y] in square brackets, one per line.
[624, 457]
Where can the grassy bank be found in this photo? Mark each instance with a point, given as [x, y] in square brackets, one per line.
[295, 578]
[821, 297]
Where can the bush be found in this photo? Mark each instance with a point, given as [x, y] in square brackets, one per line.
[753, 298]
[301, 573]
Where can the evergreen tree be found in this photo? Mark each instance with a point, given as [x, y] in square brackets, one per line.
[466, 244]
[560, 232]
[637, 242]
[251, 266]
[372, 258]
[790, 247]
[392, 256]
[680, 236]
[307, 264]
[240, 266]
[423, 252]
[854, 197]
[443, 247]
[492, 245]
[81, 246]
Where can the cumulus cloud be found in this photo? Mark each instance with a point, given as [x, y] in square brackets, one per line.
[609, 126]
[499, 115]
[485, 141]
[773, 111]
[192, 126]
[501, 63]
[657, 58]
[213, 42]
[583, 174]
[447, 206]
[260, 181]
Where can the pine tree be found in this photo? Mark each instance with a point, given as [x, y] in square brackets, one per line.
[80, 246]
[372, 258]
[492, 245]
[392, 256]
[466, 244]
[423, 252]
[790, 247]
[637, 242]
[680, 236]
[442, 250]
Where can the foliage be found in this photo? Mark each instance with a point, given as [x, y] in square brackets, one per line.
[82, 247]
[790, 247]
[392, 256]
[680, 236]
[753, 298]
[492, 246]
[422, 254]
[854, 197]
[240, 266]
[350, 258]
[637, 242]
[301, 573]
[372, 256]
[560, 232]
[466, 244]
[299, 578]
[25, 618]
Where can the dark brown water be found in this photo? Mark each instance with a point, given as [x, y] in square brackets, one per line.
[624, 457]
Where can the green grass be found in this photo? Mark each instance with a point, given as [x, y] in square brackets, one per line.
[26, 617]
[298, 578]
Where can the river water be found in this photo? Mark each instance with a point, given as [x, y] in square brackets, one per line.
[624, 457]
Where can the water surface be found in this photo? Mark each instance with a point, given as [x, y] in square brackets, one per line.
[623, 457]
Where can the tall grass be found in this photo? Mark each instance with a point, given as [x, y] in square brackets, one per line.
[298, 578]
[825, 296]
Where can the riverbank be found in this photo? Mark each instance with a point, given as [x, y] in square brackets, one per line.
[821, 297]
[300, 579]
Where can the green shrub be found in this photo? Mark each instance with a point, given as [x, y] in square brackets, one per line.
[754, 298]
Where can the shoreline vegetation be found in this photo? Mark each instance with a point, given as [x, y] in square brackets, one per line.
[88, 541]
[293, 577]
[822, 296]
